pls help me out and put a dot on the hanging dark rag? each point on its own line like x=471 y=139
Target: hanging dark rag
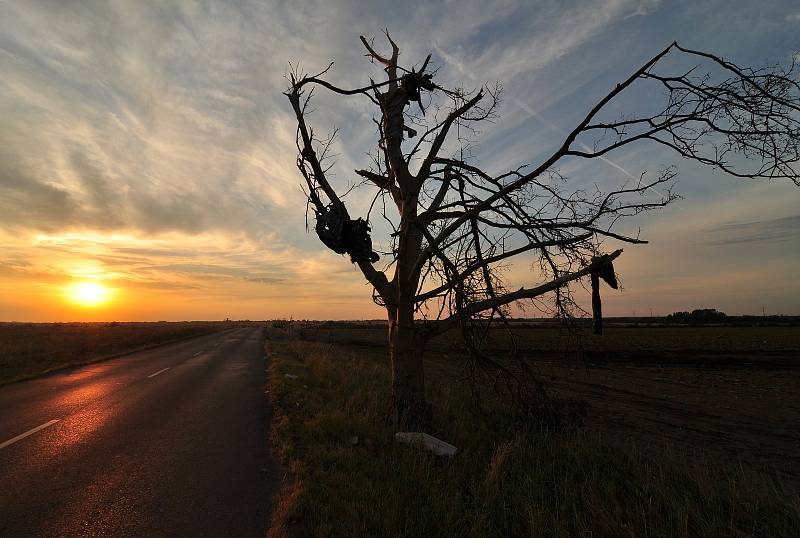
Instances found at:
x=606 y=272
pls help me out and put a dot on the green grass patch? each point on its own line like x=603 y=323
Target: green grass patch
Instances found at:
x=352 y=479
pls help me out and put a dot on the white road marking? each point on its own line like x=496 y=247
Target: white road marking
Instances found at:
x=196 y=354
x=27 y=433
x=159 y=372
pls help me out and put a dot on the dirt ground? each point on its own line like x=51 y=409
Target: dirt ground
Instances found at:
x=748 y=414
x=740 y=407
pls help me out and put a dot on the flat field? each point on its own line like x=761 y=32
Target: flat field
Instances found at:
x=689 y=431
x=29 y=349
x=730 y=391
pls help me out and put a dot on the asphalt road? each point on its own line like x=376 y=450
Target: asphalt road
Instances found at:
x=166 y=442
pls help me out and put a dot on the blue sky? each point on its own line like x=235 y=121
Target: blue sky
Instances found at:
x=148 y=145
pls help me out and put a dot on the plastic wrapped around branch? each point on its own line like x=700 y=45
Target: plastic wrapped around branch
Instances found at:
x=427 y=441
x=412 y=82
x=342 y=235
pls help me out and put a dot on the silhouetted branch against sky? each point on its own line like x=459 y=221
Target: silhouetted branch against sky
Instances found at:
x=467 y=223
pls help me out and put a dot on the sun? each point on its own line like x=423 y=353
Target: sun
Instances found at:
x=89 y=294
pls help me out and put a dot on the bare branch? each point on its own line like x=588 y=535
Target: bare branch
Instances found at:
x=523 y=293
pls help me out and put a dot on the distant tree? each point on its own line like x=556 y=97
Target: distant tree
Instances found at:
x=702 y=315
x=455 y=225
x=679 y=317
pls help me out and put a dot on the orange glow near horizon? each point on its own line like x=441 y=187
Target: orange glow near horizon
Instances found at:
x=92 y=276
x=89 y=294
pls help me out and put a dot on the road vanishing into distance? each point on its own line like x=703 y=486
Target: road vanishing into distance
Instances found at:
x=172 y=441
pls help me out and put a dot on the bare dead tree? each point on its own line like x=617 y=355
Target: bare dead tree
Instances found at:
x=456 y=226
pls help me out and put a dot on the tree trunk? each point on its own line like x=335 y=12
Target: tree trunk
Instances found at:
x=409 y=406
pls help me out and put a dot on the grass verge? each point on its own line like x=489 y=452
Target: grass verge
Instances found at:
x=349 y=478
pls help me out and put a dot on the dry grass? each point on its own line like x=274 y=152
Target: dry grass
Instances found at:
x=30 y=349
x=352 y=479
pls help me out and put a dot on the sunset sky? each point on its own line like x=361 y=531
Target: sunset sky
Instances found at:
x=146 y=146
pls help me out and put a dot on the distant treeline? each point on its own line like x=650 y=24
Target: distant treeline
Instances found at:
x=712 y=316
x=698 y=317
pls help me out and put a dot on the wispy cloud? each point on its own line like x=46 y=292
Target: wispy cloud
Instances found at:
x=149 y=143
x=551 y=30
x=733 y=233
